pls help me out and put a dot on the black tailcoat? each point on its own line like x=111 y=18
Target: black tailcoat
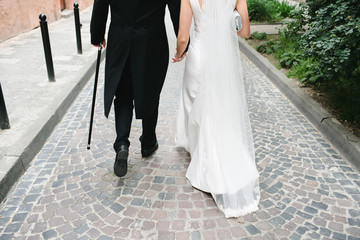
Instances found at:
x=137 y=33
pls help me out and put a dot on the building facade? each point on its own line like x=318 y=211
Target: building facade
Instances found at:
x=23 y=15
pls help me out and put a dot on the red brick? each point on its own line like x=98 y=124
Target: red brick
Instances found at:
x=238 y=232
x=147 y=214
x=163 y=225
x=223 y=234
x=178 y=225
x=195 y=213
x=185 y=204
x=182 y=236
x=130 y=211
x=209 y=235
x=159 y=214
x=126 y=222
x=209 y=224
x=148 y=225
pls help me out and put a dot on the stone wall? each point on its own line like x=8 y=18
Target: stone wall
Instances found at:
x=22 y=15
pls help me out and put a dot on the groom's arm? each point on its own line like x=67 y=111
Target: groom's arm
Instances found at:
x=174 y=9
x=98 y=21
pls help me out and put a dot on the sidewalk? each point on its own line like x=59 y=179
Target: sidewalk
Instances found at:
x=35 y=105
x=308 y=190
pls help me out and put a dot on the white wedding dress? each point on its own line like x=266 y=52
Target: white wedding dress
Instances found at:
x=213 y=122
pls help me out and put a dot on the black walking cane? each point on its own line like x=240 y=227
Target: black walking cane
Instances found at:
x=94 y=94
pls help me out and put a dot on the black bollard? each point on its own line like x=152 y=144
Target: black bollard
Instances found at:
x=47 y=48
x=77 y=28
x=4 y=119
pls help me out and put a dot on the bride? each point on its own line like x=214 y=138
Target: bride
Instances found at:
x=213 y=122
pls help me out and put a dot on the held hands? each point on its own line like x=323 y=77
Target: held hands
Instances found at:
x=176 y=58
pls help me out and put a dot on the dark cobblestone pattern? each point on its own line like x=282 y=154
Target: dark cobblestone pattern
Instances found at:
x=308 y=191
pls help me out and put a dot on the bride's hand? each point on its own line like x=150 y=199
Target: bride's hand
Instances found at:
x=178 y=59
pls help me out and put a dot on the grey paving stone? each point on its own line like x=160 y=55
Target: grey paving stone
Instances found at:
x=103 y=237
x=39 y=227
x=13 y=227
x=252 y=229
x=7 y=236
x=19 y=217
x=354 y=213
x=31 y=198
x=116 y=207
x=353 y=238
x=25 y=207
x=49 y=234
x=295 y=236
x=326 y=232
x=338 y=236
x=39 y=180
x=311 y=210
x=13 y=201
x=4 y=220
x=304 y=215
x=196 y=235
x=314 y=235
x=82 y=229
x=131 y=183
x=319 y=205
x=138 y=176
x=137 y=202
x=340 y=196
x=58 y=183
x=277 y=221
x=7 y=211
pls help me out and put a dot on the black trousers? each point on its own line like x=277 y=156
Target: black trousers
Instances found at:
x=124 y=105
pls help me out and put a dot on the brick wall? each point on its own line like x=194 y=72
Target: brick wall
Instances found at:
x=22 y=15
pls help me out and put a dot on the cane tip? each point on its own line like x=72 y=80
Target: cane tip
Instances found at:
x=88 y=147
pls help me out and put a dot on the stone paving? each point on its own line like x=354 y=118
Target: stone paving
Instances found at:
x=308 y=191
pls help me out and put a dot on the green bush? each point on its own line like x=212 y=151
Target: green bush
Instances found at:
x=284 y=9
x=289 y=59
x=306 y=71
x=258 y=36
x=331 y=41
x=259 y=11
x=333 y=38
x=268 y=10
x=268 y=47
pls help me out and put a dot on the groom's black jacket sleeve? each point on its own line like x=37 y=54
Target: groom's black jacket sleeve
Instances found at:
x=174 y=9
x=98 y=21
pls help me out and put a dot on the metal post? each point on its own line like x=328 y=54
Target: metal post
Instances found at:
x=77 y=27
x=4 y=119
x=47 y=48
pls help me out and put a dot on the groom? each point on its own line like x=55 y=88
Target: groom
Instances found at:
x=136 y=64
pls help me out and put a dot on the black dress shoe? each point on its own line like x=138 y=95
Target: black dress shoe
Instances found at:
x=147 y=152
x=120 y=165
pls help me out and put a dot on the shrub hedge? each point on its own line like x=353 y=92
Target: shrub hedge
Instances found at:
x=327 y=34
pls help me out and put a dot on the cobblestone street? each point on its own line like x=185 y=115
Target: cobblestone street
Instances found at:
x=308 y=191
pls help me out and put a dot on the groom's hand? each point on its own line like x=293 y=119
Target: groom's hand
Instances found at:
x=103 y=44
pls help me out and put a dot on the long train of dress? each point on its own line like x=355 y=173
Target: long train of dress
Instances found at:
x=213 y=122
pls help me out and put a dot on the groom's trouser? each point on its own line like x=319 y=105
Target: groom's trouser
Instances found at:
x=124 y=104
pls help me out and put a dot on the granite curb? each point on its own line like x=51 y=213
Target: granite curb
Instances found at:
x=346 y=142
x=38 y=135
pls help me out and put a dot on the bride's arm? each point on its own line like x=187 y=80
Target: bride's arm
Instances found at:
x=241 y=7
x=184 y=28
